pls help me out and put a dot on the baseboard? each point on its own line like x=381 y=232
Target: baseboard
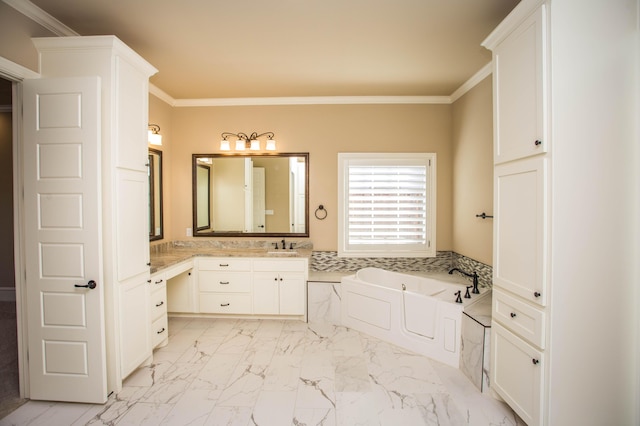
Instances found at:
x=7 y=294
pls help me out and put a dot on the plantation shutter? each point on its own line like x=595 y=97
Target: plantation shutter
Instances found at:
x=387 y=204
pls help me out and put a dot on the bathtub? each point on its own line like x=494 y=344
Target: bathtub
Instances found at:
x=418 y=313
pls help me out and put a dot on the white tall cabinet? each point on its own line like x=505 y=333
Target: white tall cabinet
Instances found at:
x=521 y=177
x=565 y=103
x=124 y=79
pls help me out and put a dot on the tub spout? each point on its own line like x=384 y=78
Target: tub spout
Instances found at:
x=474 y=276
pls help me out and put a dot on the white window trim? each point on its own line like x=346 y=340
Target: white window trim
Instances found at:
x=425 y=250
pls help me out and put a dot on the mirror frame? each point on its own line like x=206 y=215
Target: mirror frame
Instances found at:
x=195 y=158
x=152 y=201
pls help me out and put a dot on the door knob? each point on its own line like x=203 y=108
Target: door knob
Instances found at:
x=90 y=285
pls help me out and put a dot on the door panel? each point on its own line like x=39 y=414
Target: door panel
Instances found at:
x=62 y=198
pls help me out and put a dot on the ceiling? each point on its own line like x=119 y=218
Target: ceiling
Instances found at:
x=296 y=48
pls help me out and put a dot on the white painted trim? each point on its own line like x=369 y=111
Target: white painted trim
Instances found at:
x=472 y=82
x=313 y=100
x=511 y=22
x=38 y=15
x=161 y=94
x=14 y=71
x=7 y=294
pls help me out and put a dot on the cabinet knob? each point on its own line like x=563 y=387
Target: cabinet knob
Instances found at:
x=513 y=314
x=538 y=142
x=536 y=294
x=535 y=361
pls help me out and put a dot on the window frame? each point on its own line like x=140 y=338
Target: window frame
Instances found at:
x=428 y=249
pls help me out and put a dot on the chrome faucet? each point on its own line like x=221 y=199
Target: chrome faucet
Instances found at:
x=474 y=276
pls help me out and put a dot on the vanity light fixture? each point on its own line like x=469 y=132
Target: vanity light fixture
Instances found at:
x=245 y=141
x=154 y=138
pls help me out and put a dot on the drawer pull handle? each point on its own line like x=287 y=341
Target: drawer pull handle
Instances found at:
x=223 y=265
x=159 y=304
x=513 y=314
x=535 y=361
x=159 y=281
x=224 y=282
x=536 y=294
x=538 y=142
x=161 y=331
x=224 y=304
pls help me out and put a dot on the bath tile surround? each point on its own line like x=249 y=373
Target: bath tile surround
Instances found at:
x=328 y=261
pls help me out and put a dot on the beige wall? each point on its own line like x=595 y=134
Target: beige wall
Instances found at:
x=6 y=201
x=19 y=29
x=472 y=143
x=321 y=130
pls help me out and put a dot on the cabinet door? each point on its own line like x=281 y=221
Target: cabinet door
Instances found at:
x=519 y=79
x=265 y=293
x=132 y=90
x=135 y=324
x=520 y=228
x=132 y=227
x=292 y=294
x=517 y=373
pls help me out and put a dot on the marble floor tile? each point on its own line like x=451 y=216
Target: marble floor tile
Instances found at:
x=271 y=373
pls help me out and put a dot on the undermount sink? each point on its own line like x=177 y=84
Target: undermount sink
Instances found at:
x=282 y=253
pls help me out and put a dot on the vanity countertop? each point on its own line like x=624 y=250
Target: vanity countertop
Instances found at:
x=162 y=259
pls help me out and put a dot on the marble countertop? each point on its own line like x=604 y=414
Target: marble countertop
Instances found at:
x=163 y=259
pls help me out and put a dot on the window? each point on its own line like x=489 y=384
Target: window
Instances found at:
x=386 y=204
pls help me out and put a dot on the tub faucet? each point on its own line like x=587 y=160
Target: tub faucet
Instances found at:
x=474 y=276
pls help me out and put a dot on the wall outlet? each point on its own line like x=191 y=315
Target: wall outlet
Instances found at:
x=189 y=232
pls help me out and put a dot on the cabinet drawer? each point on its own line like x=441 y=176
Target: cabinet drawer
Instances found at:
x=280 y=265
x=158 y=304
x=224 y=264
x=229 y=303
x=225 y=282
x=159 y=330
x=517 y=372
x=525 y=320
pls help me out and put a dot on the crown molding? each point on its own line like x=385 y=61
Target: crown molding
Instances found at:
x=161 y=94
x=38 y=15
x=13 y=71
x=472 y=82
x=313 y=100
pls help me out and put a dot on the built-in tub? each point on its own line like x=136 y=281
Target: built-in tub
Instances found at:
x=415 y=312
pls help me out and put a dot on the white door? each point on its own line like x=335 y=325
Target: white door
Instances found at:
x=259 y=218
x=63 y=240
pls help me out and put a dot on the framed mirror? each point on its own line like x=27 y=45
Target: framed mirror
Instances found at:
x=251 y=195
x=155 y=195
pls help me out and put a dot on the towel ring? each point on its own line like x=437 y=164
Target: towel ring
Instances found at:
x=320 y=215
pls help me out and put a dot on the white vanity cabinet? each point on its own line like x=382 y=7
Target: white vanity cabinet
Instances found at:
x=123 y=208
x=279 y=286
x=224 y=285
x=135 y=336
x=158 y=308
x=521 y=209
